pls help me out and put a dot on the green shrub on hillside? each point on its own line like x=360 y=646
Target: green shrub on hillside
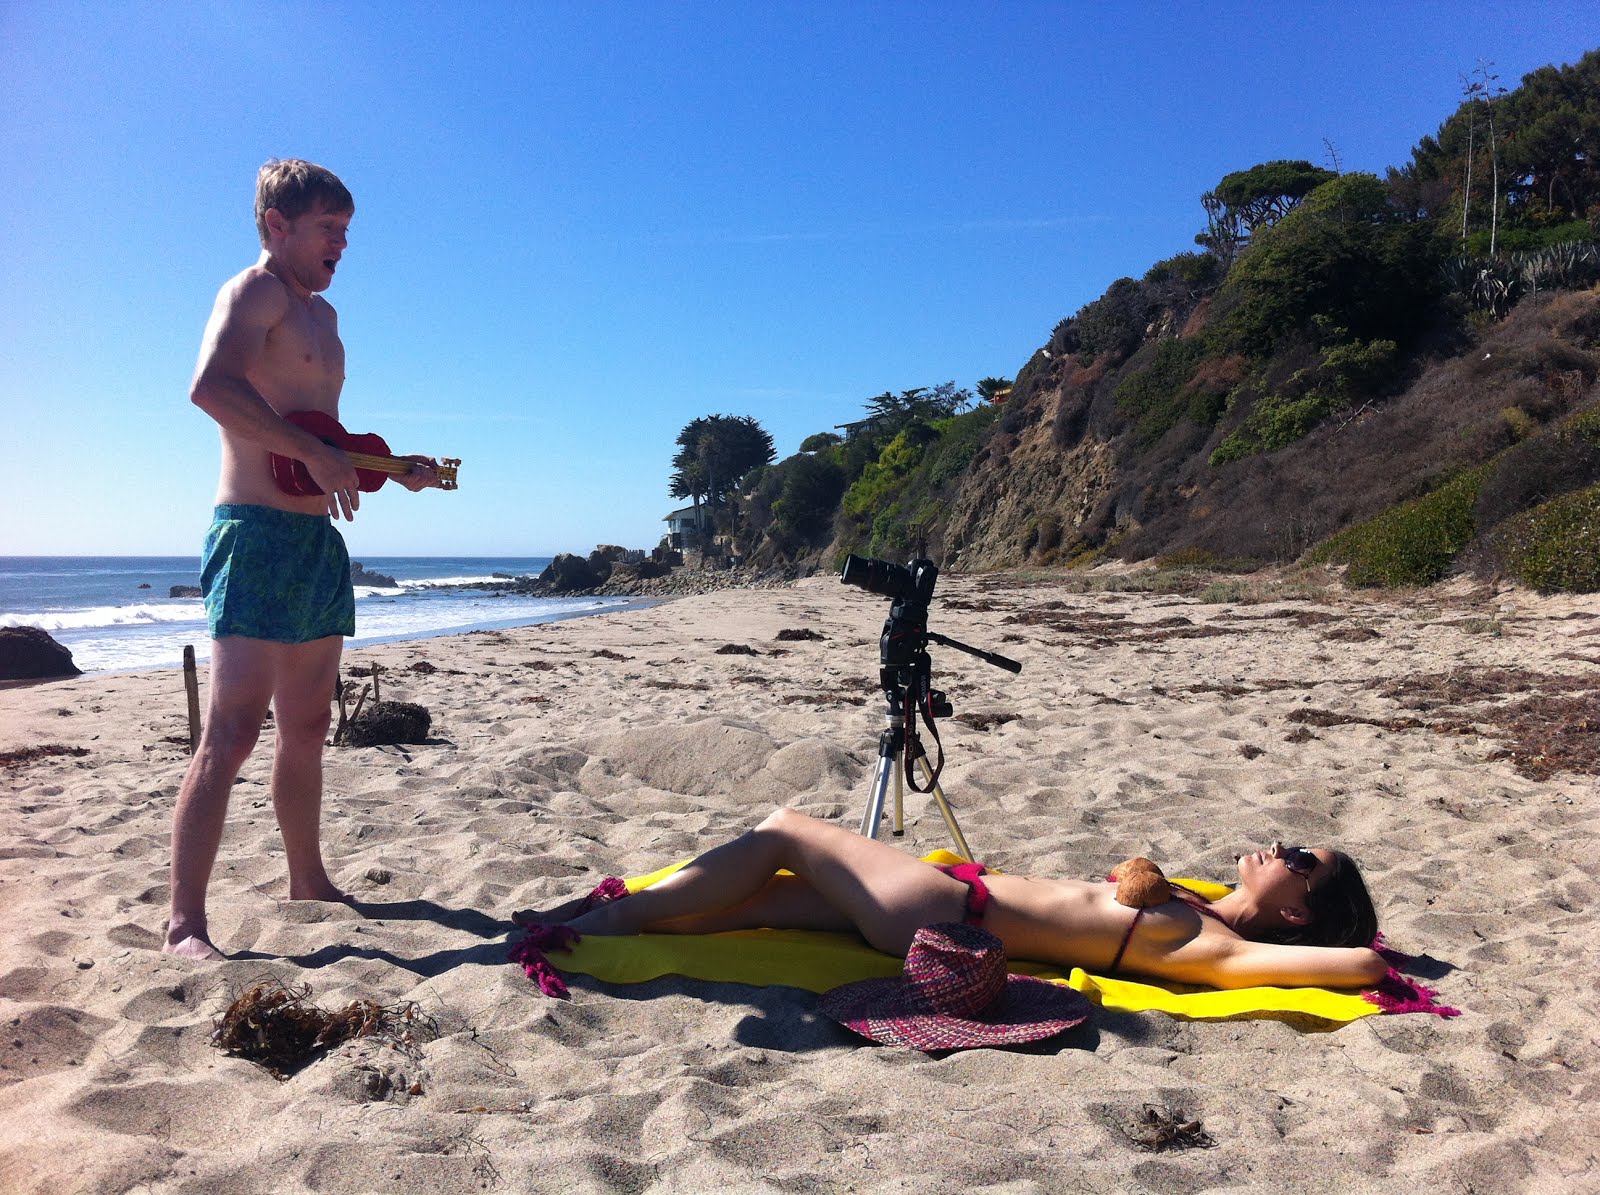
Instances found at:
x=1585 y=425
x=1115 y=322
x=1155 y=396
x=903 y=488
x=1348 y=372
x=959 y=439
x=1414 y=543
x=810 y=493
x=1517 y=240
x=891 y=534
x=1200 y=270
x=1276 y=421
x=1538 y=468
x=869 y=491
x=1555 y=547
x=1341 y=255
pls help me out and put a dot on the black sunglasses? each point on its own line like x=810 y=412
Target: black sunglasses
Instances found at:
x=1299 y=860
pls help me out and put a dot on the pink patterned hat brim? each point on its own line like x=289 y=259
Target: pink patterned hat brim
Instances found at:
x=885 y=1010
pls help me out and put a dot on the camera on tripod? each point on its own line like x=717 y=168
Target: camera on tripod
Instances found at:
x=907 y=678
x=909 y=582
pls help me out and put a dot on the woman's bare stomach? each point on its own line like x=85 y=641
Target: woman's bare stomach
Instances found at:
x=1065 y=922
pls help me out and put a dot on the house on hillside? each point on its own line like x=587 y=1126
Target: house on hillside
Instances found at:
x=683 y=529
x=860 y=426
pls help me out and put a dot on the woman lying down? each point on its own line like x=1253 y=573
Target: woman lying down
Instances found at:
x=1299 y=917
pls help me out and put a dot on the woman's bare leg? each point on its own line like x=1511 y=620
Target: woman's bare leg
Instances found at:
x=885 y=893
x=784 y=902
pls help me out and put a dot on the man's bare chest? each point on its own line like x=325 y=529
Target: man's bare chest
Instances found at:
x=304 y=353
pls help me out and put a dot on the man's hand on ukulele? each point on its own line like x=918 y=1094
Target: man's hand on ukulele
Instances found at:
x=422 y=475
x=336 y=478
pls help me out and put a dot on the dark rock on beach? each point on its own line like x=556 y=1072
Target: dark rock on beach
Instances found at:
x=610 y=571
x=643 y=570
x=360 y=576
x=28 y=653
x=569 y=574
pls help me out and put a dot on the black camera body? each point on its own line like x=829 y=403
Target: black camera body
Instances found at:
x=903 y=646
x=912 y=583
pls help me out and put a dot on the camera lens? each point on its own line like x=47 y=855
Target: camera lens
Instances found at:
x=878 y=576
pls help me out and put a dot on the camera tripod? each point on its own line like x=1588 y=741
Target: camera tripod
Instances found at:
x=892 y=748
x=906 y=675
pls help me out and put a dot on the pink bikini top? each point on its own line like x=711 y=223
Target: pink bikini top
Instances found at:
x=1193 y=899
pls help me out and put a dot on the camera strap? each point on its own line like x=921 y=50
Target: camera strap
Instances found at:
x=922 y=702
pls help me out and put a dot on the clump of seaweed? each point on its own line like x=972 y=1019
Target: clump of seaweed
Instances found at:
x=1551 y=727
x=986 y=721
x=280 y=1030
x=386 y=722
x=791 y=634
x=1552 y=734
x=27 y=755
x=1158 y=1129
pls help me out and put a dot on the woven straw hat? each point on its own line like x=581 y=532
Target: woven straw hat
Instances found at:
x=955 y=994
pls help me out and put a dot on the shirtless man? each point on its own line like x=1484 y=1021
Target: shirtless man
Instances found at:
x=275 y=573
x=843 y=881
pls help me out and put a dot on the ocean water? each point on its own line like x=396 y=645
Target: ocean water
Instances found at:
x=114 y=612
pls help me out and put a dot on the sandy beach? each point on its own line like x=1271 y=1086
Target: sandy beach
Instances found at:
x=1449 y=740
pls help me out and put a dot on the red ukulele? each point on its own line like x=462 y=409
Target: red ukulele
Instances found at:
x=368 y=453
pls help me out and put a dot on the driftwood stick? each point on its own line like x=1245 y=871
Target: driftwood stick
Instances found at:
x=375 y=697
x=339 y=695
x=360 y=701
x=191 y=683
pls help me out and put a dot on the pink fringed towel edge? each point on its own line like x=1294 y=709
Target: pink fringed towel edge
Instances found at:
x=530 y=952
x=1396 y=993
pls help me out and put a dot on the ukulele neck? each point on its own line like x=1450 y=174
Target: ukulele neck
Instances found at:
x=391 y=465
x=394 y=466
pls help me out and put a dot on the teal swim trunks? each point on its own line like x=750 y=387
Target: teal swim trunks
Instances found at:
x=272 y=574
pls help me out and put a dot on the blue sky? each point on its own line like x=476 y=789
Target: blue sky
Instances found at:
x=580 y=226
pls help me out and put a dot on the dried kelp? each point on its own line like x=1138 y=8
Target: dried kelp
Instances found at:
x=279 y=1029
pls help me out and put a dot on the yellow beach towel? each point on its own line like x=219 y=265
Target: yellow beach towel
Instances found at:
x=819 y=961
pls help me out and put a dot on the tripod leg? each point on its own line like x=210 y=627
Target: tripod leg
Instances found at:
x=950 y=822
x=880 y=791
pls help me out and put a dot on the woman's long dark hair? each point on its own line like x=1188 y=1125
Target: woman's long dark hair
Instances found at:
x=1341 y=911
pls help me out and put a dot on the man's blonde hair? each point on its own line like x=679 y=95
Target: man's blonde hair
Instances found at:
x=294 y=187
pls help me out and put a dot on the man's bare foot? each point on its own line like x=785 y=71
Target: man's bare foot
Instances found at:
x=320 y=891
x=195 y=947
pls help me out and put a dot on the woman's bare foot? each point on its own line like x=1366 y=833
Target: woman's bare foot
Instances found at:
x=559 y=915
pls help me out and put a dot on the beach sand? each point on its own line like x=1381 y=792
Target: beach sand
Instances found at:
x=1418 y=733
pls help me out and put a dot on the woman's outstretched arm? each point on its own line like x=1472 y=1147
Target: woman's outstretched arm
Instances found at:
x=1238 y=963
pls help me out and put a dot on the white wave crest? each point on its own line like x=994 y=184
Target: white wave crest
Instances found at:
x=107 y=616
x=451 y=582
